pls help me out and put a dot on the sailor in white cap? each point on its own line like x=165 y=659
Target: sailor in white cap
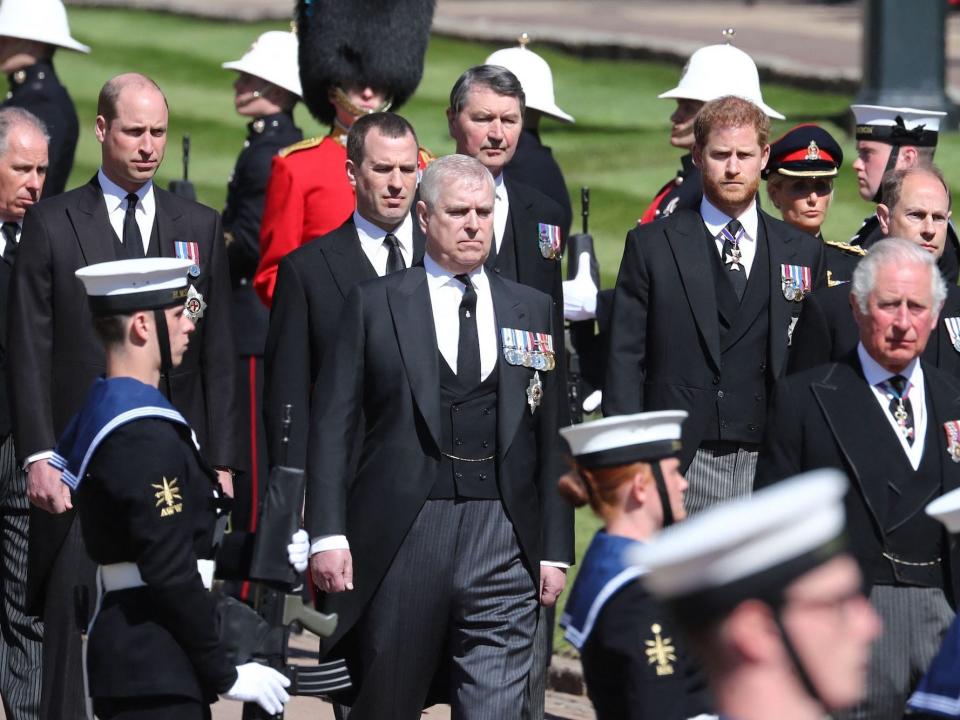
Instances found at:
x=30 y=33
x=891 y=138
x=533 y=162
x=769 y=599
x=634 y=660
x=150 y=510
x=710 y=73
x=267 y=88
x=938 y=693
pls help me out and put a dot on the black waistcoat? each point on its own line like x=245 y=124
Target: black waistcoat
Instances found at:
x=909 y=533
x=153 y=249
x=740 y=407
x=469 y=431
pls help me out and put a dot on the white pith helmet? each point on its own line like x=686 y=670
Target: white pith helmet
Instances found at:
x=39 y=20
x=718 y=70
x=272 y=57
x=534 y=75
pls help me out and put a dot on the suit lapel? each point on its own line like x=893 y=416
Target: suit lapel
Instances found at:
x=167 y=219
x=513 y=380
x=409 y=302
x=781 y=250
x=419 y=241
x=853 y=416
x=686 y=239
x=92 y=225
x=521 y=221
x=348 y=263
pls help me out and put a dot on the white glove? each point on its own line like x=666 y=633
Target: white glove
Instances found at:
x=593 y=401
x=580 y=294
x=298 y=551
x=260 y=684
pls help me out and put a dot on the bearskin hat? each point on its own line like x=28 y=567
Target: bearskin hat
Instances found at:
x=375 y=43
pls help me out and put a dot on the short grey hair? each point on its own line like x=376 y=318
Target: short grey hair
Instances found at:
x=448 y=169
x=495 y=77
x=894 y=251
x=11 y=117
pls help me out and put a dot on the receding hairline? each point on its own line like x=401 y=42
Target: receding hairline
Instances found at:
x=112 y=90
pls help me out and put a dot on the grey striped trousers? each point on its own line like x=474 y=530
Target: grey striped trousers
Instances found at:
x=915 y=621
x=21 y=636
x=719 y=472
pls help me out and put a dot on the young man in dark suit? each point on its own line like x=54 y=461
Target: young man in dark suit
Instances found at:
x=704 y=305
x=891 y=422
x=23 y=168
x=451 y=528
x=916 y=207
x=381 y=236
x=120 y=213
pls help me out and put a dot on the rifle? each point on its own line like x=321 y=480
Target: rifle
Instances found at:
x=277 y=598
x=576 y=246
x=184 y=188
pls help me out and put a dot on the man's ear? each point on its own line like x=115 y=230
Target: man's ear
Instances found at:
x=100 y=128
x=351 y=173
x=883 y=215
x=696 y=152
x=422 y=215
x=141 y=327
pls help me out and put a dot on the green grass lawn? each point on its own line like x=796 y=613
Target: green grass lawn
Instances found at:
x=618 y=146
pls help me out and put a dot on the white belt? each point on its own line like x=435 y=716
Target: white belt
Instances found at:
x=125 y=575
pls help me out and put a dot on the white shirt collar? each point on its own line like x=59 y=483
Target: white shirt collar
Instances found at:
x=371 y=235
x=875 y=373
x=438 y=276
x=116 y=196
x=716 y=220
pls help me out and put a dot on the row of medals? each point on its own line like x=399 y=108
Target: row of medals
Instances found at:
x=536 y=359
x=792 y=291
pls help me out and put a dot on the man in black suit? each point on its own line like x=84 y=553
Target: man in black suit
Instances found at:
x=890 y=421
x=380 y=237
x=118 y=214
x=916 y=207
x=451 y=528
x=23 y=167
x=704 y=305
x=485 y=118
x=30 y=34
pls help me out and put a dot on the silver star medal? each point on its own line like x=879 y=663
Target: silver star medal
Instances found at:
x=733 y=258
x=534 y=392
x=195 y=305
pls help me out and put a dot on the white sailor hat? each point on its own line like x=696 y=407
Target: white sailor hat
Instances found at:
x=272 y=57
x=946 y=509
x=534 y=75
x=748 y=548
x=718 y=70
x=625 y=439
x=126 y=286
x=898 y=126
x=40 y=20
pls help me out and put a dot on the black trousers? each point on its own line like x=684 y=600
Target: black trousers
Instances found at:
x=151 y=708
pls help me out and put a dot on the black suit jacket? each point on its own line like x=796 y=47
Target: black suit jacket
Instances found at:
x=829 y=417
x=6 y=423
x=312 y=283
x=533 y=165
x=827 y=332
x=664 y=350
x=385 y=364
x=38 y=90
x=59 y=355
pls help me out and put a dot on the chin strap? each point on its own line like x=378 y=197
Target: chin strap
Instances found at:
x=891 y=164
x=668 y=518
x=341 y=100
x=163 y=340
x=795 y=659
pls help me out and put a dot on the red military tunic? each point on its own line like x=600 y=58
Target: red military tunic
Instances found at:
x=308 y=196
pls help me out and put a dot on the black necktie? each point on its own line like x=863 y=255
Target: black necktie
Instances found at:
x=468 y=346
x=395 y=258
x=732 y=234
x=900 y=406
x=9 y=231
x=132 y=240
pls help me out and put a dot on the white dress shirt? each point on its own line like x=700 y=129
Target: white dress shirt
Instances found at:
x=3 y=239
x=501 y=209
x=875 y=375
x=372 y=237
x=115 y=198
x=715 y=220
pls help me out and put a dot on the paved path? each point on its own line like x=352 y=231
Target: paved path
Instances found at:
x=809 y=42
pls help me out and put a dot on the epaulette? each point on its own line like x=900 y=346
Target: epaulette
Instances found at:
x=302 y=145
x=425 y=157
x=852 y=249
